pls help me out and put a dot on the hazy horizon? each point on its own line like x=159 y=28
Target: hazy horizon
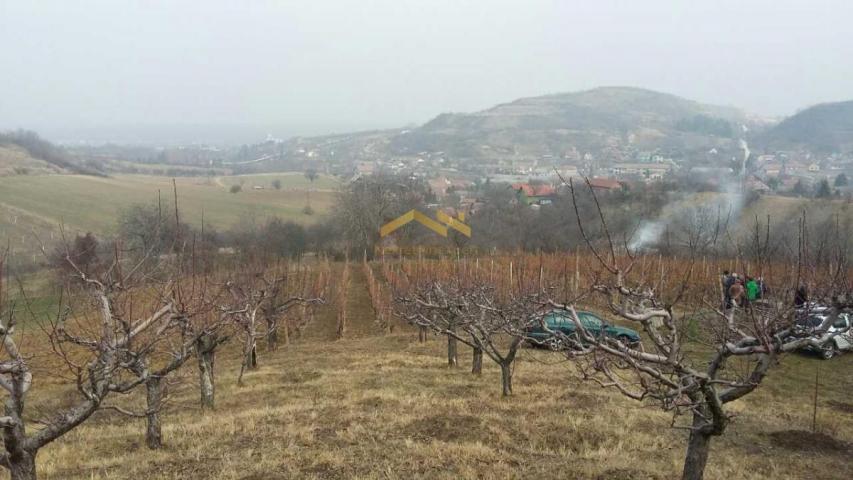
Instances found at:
x=163 y=72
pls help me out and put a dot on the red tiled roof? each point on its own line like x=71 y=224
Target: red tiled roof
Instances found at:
x=534 y=190
x=605 y=183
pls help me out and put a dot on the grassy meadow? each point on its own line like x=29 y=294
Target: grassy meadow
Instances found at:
x=39 y=204
x=374 y=406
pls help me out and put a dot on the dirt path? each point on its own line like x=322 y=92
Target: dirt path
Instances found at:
x=361 y=318
x=361 y=321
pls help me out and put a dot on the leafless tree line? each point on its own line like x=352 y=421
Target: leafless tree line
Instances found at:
x=696 y=356
x=129 y=325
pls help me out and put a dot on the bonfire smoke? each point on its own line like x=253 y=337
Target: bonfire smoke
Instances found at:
x=730 y=204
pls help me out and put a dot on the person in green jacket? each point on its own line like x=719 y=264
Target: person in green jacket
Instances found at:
x=752 y=289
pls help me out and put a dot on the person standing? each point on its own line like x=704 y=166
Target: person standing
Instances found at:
x=801 y=297
x=736 y=292
x=752 y=289
x=726 y=281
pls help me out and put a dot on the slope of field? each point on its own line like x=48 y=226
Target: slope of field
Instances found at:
x=92 y=203
x=32 y=207
x=786 y=211
x=15 y=160
x=387 y=407
x=739 y=219
x=289 y=181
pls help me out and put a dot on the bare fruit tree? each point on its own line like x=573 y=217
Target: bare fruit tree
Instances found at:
x=94 y=337
x=477 y=315
x=199 y=323
x=694 y=359
x=267 y=295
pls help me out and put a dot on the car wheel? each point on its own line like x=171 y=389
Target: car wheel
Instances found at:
x=554 y=344
x=829 y=351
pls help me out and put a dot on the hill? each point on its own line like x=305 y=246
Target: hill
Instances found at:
x=827 y=127
x=16 y=160
x=587 y=120
x=23 y=152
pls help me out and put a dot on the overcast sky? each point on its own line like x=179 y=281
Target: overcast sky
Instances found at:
x=117 y=69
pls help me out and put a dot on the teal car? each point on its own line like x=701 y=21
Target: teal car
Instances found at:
x=561 y=321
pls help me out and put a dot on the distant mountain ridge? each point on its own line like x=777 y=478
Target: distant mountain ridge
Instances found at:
x=587 y=120
x=826 y=127
x=628 y=106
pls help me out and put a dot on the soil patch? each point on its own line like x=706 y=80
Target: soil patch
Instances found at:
x=625 y=474
x=841 y=406
x=583 y=400
x=375 y=403
x=298 y=376
x=447 y=428
x=803 y=441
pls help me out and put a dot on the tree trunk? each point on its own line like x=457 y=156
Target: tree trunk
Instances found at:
x=21 y=462
x=153 y=432
x=452 y=352
x=342 y=324
x=22 y=466
x=206 y=359
x=477 y=362
x=285 y=333
x=250 y=361
x=506 y=378
x=698 y=448
x=422 y=334
x=272 y=336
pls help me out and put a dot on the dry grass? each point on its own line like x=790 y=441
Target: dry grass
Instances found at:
x=388 y=407
x=15 y=160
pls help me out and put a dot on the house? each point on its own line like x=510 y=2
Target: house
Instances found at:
x=772 y=169
x=441 y=186
x=793 y=167
x=567 y=171
x=365 y=168
x=647 y=171
x=644 y=157
x=470 y=205
x=814 y=167
x=534 y=194
x=608 y=184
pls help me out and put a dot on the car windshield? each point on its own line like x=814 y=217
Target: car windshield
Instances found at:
x=554 y=320
x=590 y=321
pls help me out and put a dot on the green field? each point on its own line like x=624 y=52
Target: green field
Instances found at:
x=41 y=203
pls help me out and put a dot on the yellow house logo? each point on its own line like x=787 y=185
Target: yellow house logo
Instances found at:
x=440 y=226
